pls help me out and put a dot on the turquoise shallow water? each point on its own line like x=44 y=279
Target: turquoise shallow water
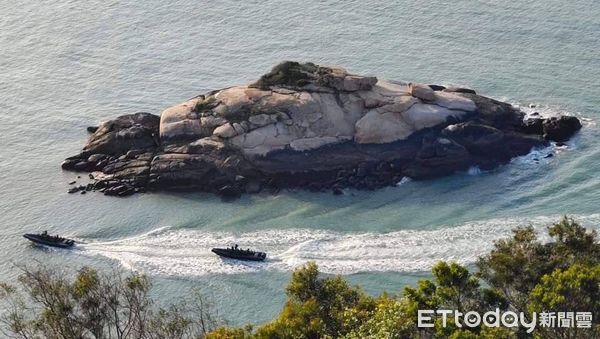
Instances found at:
x=66 y=66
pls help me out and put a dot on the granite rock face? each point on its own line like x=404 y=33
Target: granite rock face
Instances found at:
x=317 y=127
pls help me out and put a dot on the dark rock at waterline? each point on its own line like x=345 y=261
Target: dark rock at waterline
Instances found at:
x=230 y=192
x=314 y=127
x=477 y=138
x=120 y=190
x=438 y=157
x=83 y=166
x=521 y=144
x=69 y=164
x=99 y=185
x=126 y=192
x=252 y=186
x=560 y=128
x=92 y=129
x=337 y=190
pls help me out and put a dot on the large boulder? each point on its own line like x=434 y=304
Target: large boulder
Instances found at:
x=496 y=113
x=127 y=132
x=438 y=157
x=422 y=92
x=477 y=138
x=561 y=128
x=381 y=128
x=313 y=126
x=185 y=121
x=225 y=131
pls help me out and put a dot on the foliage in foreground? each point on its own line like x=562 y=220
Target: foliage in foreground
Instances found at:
x=520 y=274
x=92 y=305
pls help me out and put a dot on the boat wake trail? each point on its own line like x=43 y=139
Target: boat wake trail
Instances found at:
x=185 y=252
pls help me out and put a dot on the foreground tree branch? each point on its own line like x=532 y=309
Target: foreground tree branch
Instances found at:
x=94 y=305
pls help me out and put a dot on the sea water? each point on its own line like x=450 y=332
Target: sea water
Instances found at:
x=68 y=65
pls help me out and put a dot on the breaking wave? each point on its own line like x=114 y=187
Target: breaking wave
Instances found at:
x=186 y=252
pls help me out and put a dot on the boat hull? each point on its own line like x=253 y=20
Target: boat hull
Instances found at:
x=239 y=255
x=42 y=241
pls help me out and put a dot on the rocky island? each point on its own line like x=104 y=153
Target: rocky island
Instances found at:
x=310 y=126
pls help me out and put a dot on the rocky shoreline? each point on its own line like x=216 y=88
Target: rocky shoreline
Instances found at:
x=309 y=126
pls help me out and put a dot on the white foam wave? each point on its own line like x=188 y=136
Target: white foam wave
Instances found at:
x=186 y=252
x=528 y=162
x=403 y=181
x=474 y=170
x=546 y=111
x=537 y=156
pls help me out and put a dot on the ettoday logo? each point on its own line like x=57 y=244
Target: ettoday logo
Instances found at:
x=496 y=318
